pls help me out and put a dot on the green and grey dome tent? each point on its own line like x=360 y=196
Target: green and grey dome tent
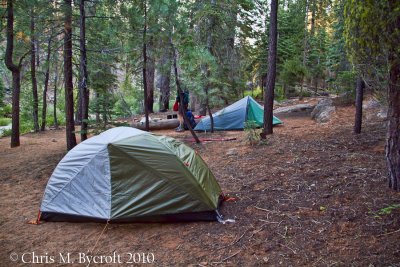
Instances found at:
x=124 y=175
x=234 y=116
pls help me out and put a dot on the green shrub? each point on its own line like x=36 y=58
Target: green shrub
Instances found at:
x=347 y=83
x=279 y=93
x=5 y=121
x=6 y=132
x=5 y=110
x=255 y=93
x=252 y=135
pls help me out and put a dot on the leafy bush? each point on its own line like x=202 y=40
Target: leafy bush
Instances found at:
x=347 y=83
x=5 y=110
x=5 y=121
x=279 y=94
x=6 y=132
x=252 y=135
x=388 y=210
x=255 y=94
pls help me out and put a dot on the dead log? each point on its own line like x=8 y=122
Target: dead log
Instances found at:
x=157 y=124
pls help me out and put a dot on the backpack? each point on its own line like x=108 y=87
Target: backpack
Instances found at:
x=190 y=117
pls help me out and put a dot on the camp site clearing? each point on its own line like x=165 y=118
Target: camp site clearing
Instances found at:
x=315 y=195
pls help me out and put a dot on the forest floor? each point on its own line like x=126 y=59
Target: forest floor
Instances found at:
x=315 y=195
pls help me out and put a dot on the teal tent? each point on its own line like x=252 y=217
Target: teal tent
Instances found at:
x=234 y=116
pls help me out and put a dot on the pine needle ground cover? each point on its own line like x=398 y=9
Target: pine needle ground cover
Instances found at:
x=315 y=195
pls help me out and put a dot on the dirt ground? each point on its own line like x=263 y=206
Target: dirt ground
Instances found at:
x=315 y=195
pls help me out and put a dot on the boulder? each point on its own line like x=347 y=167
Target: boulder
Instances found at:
x=372 y=103
x=323 y=111
x=295 y=108
x=382 y=114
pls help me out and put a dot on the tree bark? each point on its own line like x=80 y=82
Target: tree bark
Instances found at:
x=301 y=91
x=271 y=75
x=202 y=108
x=315 y=86
x=84 y=94
x=180 y=92
x=35 y=100
x=78 y=108
x=207 y=71
x=69 y=97
x=150 y=73
x=304 y=48
x=359 y=102
x=97 y=96
x=145 y=97
x=46 y=82
x=165 y=79
x=393 y=124
x=15 y=74
x=55 y=97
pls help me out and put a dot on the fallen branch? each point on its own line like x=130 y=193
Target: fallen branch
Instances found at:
x=227 y=258
x=265 y=209
x=212 y=139
x=398 y=230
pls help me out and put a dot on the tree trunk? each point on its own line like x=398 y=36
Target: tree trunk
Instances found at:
x=207 y=71
x=78 y=108
x=393 y=126
x=165 y=79
x=313 y=10
x=97 y=96
x=180 y=92
x=150 y=73
x=193 y=102
x=315 y=86
x=46 y=82
x=202 y=108
x=55 y=97
x=271 y=75
x=301 y=91
x=35 y=99
x=211 y=118
x=145 y=96
x=304 y=48
x=15 y=74
x=84 y=94
x=285 y=90
x=359 y=102
x=69 y=96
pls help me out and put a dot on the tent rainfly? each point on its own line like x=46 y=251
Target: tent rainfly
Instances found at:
x=234 y=116
x=126 y=175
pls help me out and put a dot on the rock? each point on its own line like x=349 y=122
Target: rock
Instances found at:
x=4 y=128
x=320 y=106
x=325 y=115
x=371 y=103
x=382 y=114
x=295 y=108
x=323 y=111
x=231 y=151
